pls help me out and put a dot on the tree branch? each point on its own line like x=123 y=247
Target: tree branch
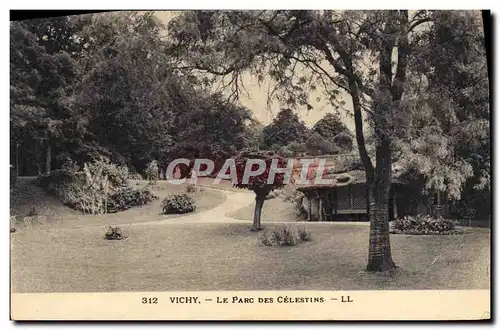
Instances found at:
x=419 y=22
x=403 y=50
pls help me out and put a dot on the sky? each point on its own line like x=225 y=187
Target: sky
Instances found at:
x=256 y=100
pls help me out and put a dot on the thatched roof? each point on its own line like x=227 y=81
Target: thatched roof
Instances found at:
x=344 y=170
x=339 y=180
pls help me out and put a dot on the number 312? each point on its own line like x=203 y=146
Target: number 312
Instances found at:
x=153 y=300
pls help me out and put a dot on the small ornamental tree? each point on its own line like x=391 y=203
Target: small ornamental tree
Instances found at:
x=260 y=178
x=152 y=171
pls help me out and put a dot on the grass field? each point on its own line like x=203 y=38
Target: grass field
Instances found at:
x=230 y=257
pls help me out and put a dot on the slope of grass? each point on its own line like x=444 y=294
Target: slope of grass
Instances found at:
x=26 y=196
x=230 y=257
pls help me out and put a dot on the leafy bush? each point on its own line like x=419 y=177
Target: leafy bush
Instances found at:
x=285 y=236
x=190 y=188
x=114 y=233
x=423 y=224
x=178 y=203
x=135 y=176
x=32 y=212
x=117 y=175
x=304 y=235
x=125 y=198
x=70 y=166
x=85 y=191
x=266 y=239
x=297 y=198
x=101 y=187
x=152 y=171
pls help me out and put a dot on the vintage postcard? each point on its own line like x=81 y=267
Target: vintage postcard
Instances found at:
x=250 y=165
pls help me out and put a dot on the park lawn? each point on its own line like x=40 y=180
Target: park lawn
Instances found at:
x=26 y=196
x=274 y=210
x=208 y=256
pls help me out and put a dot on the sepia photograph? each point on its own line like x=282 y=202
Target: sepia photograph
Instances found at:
x=250 y=165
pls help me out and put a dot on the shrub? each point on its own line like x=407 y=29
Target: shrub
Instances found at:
x=178 y=203
x=135 y=176
x=85 y=191
x=304 y=235
x=32 y=212
x=297 y=198
x=190 y=188
x=117 y=175
x=152 y=171
x=101 y=187
x=285 y=236
x=114 y=233
x=423 y=224
x=266 y=239
x=70 y=166
x=125 y=198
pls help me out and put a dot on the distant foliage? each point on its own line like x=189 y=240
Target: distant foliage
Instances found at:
x=114 y=233
x=423 y=224
x=318 y=145
x=332 y=129
x=152 y=171
x=135 y=176
x=285 y=236
x=178 y=204
x=125 y=198
x=285 y=128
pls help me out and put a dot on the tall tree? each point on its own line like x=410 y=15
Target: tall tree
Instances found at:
x=448 y=141
x=261 y=184
x=334 y=130
x=285 y=128
x=304 y=50
x=209 y=127
x=42 y=75
x=128 y=91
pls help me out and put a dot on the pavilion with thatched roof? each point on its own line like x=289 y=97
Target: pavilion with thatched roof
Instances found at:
x=346 y=198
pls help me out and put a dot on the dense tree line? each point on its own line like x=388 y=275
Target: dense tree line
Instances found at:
x=104 y=84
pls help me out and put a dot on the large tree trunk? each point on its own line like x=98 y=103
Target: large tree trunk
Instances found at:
x=17 y=159
x=48 y=159
x=379 y=252
x=259 y=202
x=388 y=96
x=39 y=165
